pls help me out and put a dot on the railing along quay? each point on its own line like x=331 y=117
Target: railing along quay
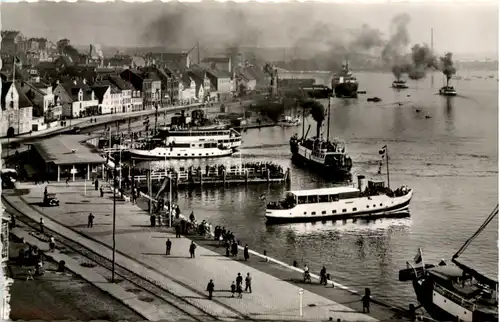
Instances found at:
x=214 y=177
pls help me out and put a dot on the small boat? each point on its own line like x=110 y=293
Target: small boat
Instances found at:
x=289 y=121
x=455 y=292
x=447 y=91
x=399 y=84
x=364 y=202
x=373 y=99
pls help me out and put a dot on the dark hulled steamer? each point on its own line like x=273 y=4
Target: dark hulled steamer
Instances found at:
x=454 y=292
x=328 y=157
x=344 y=84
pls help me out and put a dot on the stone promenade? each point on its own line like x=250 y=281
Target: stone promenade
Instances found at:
x=143 y=249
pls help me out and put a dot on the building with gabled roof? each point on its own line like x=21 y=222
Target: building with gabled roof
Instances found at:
x=16 y=110
x=77 y=99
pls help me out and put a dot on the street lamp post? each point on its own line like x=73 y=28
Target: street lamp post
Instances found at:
x=114 y=226
x=301 y=292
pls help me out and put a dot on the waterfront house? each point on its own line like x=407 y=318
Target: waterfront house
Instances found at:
x=221 y=80
x=148 y=85
x=16 y=110
x=187 y=89
x=77 y=99
x=46 y=109
x=126 y=90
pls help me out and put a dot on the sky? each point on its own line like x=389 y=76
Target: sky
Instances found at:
x=461 y=28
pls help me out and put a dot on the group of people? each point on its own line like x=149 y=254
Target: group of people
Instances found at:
x=236 y=286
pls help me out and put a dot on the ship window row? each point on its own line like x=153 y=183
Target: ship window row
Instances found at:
x=192 y=154
x=326 y=198
x=333 y=211
x=229 y=141
x=220 y=133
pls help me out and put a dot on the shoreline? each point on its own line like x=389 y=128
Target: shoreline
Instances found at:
x=266 y=263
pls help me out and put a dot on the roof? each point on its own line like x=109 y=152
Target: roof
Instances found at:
x=23 y=99
x=99 y=91
x=218 y=73
x=59 y=150
x=120 y=83
x=324 y=191
x=217 y=59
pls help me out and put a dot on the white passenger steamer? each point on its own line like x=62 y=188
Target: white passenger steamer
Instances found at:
x=367 y=201
x=188 y=144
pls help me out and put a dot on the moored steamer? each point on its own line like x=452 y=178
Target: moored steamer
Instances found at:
x=399 y=84
x=454 y=292
x=188 y=144
x=367 y=201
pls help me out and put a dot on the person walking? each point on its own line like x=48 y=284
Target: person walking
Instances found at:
x=248 y=283
x=41 y=225
x=169 y=246
x=366 y=301
x=52 y=244
x=210 y=289
x=233 y=289
x=192 y=249
x=246 y=254
x=90 y=221
x=239 y=280
x=239 y=289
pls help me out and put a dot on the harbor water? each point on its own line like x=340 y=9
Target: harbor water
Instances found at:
x=443 y=148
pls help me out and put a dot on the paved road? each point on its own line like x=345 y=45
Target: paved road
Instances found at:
x=273 y=298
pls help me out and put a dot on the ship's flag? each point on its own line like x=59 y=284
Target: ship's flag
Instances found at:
x=418 y=257
x=262 y=196
x=383 y=150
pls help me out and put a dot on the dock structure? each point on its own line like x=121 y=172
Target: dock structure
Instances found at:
x=226 y=176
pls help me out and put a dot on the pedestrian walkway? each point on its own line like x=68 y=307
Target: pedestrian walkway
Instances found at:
x=142 y=249
x=149 y=311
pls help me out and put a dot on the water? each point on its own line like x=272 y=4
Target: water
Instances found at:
x=449 y=159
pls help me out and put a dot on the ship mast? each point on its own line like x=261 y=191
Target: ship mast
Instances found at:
x=432 y=51
x=477 y=275
x=328 y=121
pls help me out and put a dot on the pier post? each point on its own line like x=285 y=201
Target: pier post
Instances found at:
x=201 y=176
x=288 y=176
x=148 y=181
x=268 y=173
x=246 y=176
x=176 y=179
x=224 y=176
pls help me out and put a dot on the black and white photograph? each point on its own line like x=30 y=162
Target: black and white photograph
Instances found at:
x=249 y=161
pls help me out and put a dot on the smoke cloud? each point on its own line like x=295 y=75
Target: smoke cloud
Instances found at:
x=417 y=62
x=447 y=66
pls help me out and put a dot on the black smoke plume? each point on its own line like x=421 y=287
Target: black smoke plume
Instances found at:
x=393 y=52
x=447 y=66
x=317 y=110
x=423 y=59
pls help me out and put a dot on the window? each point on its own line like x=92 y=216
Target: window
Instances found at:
x=323 y=212
x=344 y=210
x=367 y=206
x=305 y=212
x=380 y=205
x=354 y=209
x=313 y=213
x=334 y=211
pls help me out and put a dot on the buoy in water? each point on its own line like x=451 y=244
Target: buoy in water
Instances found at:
x=428 y=116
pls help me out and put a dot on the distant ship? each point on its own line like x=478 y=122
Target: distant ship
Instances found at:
x=399 y=84
x=328 y=157
x=344 y=84
x=447 y=91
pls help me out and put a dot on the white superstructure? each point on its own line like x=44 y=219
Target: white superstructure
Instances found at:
x=339 y=203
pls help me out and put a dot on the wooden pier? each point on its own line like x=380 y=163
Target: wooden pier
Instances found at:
x=200 y=177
